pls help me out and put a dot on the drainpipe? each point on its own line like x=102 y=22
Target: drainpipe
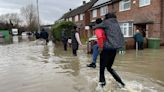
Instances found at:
x=112 y=6
x=162 y=20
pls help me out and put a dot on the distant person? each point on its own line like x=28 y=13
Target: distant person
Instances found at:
x=44 y=35
x=37 y=35
x=64 y=40
x=139 y=39
x=110 y=39
x=75 y=41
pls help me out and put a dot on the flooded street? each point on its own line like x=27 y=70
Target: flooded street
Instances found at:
x=29 y=66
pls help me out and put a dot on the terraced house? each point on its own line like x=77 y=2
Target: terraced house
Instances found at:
x=147 y=15
x=81 y=16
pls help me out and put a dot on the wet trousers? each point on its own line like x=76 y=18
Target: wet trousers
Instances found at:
x=106 y=61
x=95 y=53
x=65 y=46
x=74 y=51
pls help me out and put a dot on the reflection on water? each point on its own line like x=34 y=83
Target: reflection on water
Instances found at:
x=26 y=66
x=16 y=39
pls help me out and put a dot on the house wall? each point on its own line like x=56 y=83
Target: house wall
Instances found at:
x=138 y=14
x=143 y=14
x=151 y=15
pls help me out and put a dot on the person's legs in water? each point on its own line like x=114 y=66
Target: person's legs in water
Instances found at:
x=102 y=69
x=74 y=52
x=65 y=46
x=139 y=45
x=142 y=45
x=94 y=56
x=111 y=57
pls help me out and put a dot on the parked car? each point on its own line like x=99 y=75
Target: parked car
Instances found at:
x=24 y=33
x=1 y=35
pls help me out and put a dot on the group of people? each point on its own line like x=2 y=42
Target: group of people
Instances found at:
x=109 y=40
x=74 y=40
x=42 y=35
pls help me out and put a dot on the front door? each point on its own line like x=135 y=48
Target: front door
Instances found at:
x=142 y=28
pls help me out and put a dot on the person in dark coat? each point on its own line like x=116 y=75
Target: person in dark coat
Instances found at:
x=37 y=35
x=75 y=41
x=44 y=35
x=64 y=40
x=139 y=39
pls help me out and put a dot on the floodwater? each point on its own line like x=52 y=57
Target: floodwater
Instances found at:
x=30 y=66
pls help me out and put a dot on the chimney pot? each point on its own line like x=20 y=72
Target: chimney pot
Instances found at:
x=84 y=2
x=70 y=9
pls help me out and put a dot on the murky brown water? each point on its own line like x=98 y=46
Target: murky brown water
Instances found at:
x=30 y=66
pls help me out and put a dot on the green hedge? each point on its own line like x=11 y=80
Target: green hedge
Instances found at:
x=59 y=26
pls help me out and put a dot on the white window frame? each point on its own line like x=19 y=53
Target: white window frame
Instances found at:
x=81 y=16
x=144 y=3
x=94 y=13
x=122 y=5
x=127 y=28
x=76 y=18
x=70 y=19
x=103 y=10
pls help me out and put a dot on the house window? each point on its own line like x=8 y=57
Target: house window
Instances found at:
x=125 y=5
x=103 y=10
x=81 y=16
x=127 y=29
x=70 y=19
x=76 y=18
x=94 y=13
x=144 y=2
x=67 y=19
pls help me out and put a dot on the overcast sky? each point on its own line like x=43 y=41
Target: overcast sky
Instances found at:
x=50 y=10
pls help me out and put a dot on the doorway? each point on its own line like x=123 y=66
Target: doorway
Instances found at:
x=142 y=28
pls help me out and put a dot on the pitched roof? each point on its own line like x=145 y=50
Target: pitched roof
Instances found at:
x=79 y=10
x=101 y=3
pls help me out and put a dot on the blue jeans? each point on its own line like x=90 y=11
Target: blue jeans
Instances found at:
x=95 y=53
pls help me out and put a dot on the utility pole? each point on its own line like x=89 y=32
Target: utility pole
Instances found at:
x=37 y=2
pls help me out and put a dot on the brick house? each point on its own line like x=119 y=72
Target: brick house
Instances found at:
x=81 y=16
x=147 y=15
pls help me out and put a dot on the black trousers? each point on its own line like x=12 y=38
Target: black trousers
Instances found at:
x=140 y=45
x=65 y=46
x=74 y=51
x=106 y=61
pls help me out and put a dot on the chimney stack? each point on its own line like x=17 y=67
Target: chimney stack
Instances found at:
x=70 y=9
x=84 y=2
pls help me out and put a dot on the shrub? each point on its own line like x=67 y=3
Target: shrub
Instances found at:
x=59 y=26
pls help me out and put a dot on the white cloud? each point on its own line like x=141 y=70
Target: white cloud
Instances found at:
x=50 y=10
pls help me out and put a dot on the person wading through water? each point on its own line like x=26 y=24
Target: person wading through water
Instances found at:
x=110 y=38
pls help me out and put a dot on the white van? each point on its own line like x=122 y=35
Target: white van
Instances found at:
x=15 y=31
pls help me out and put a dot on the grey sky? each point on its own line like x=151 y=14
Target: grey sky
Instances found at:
x=50 y=10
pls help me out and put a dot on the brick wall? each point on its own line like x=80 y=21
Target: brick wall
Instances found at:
x=142 y=14
x=146 y=14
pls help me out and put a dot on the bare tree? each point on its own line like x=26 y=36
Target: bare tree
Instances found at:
x=11 y=18
x=30 y=16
